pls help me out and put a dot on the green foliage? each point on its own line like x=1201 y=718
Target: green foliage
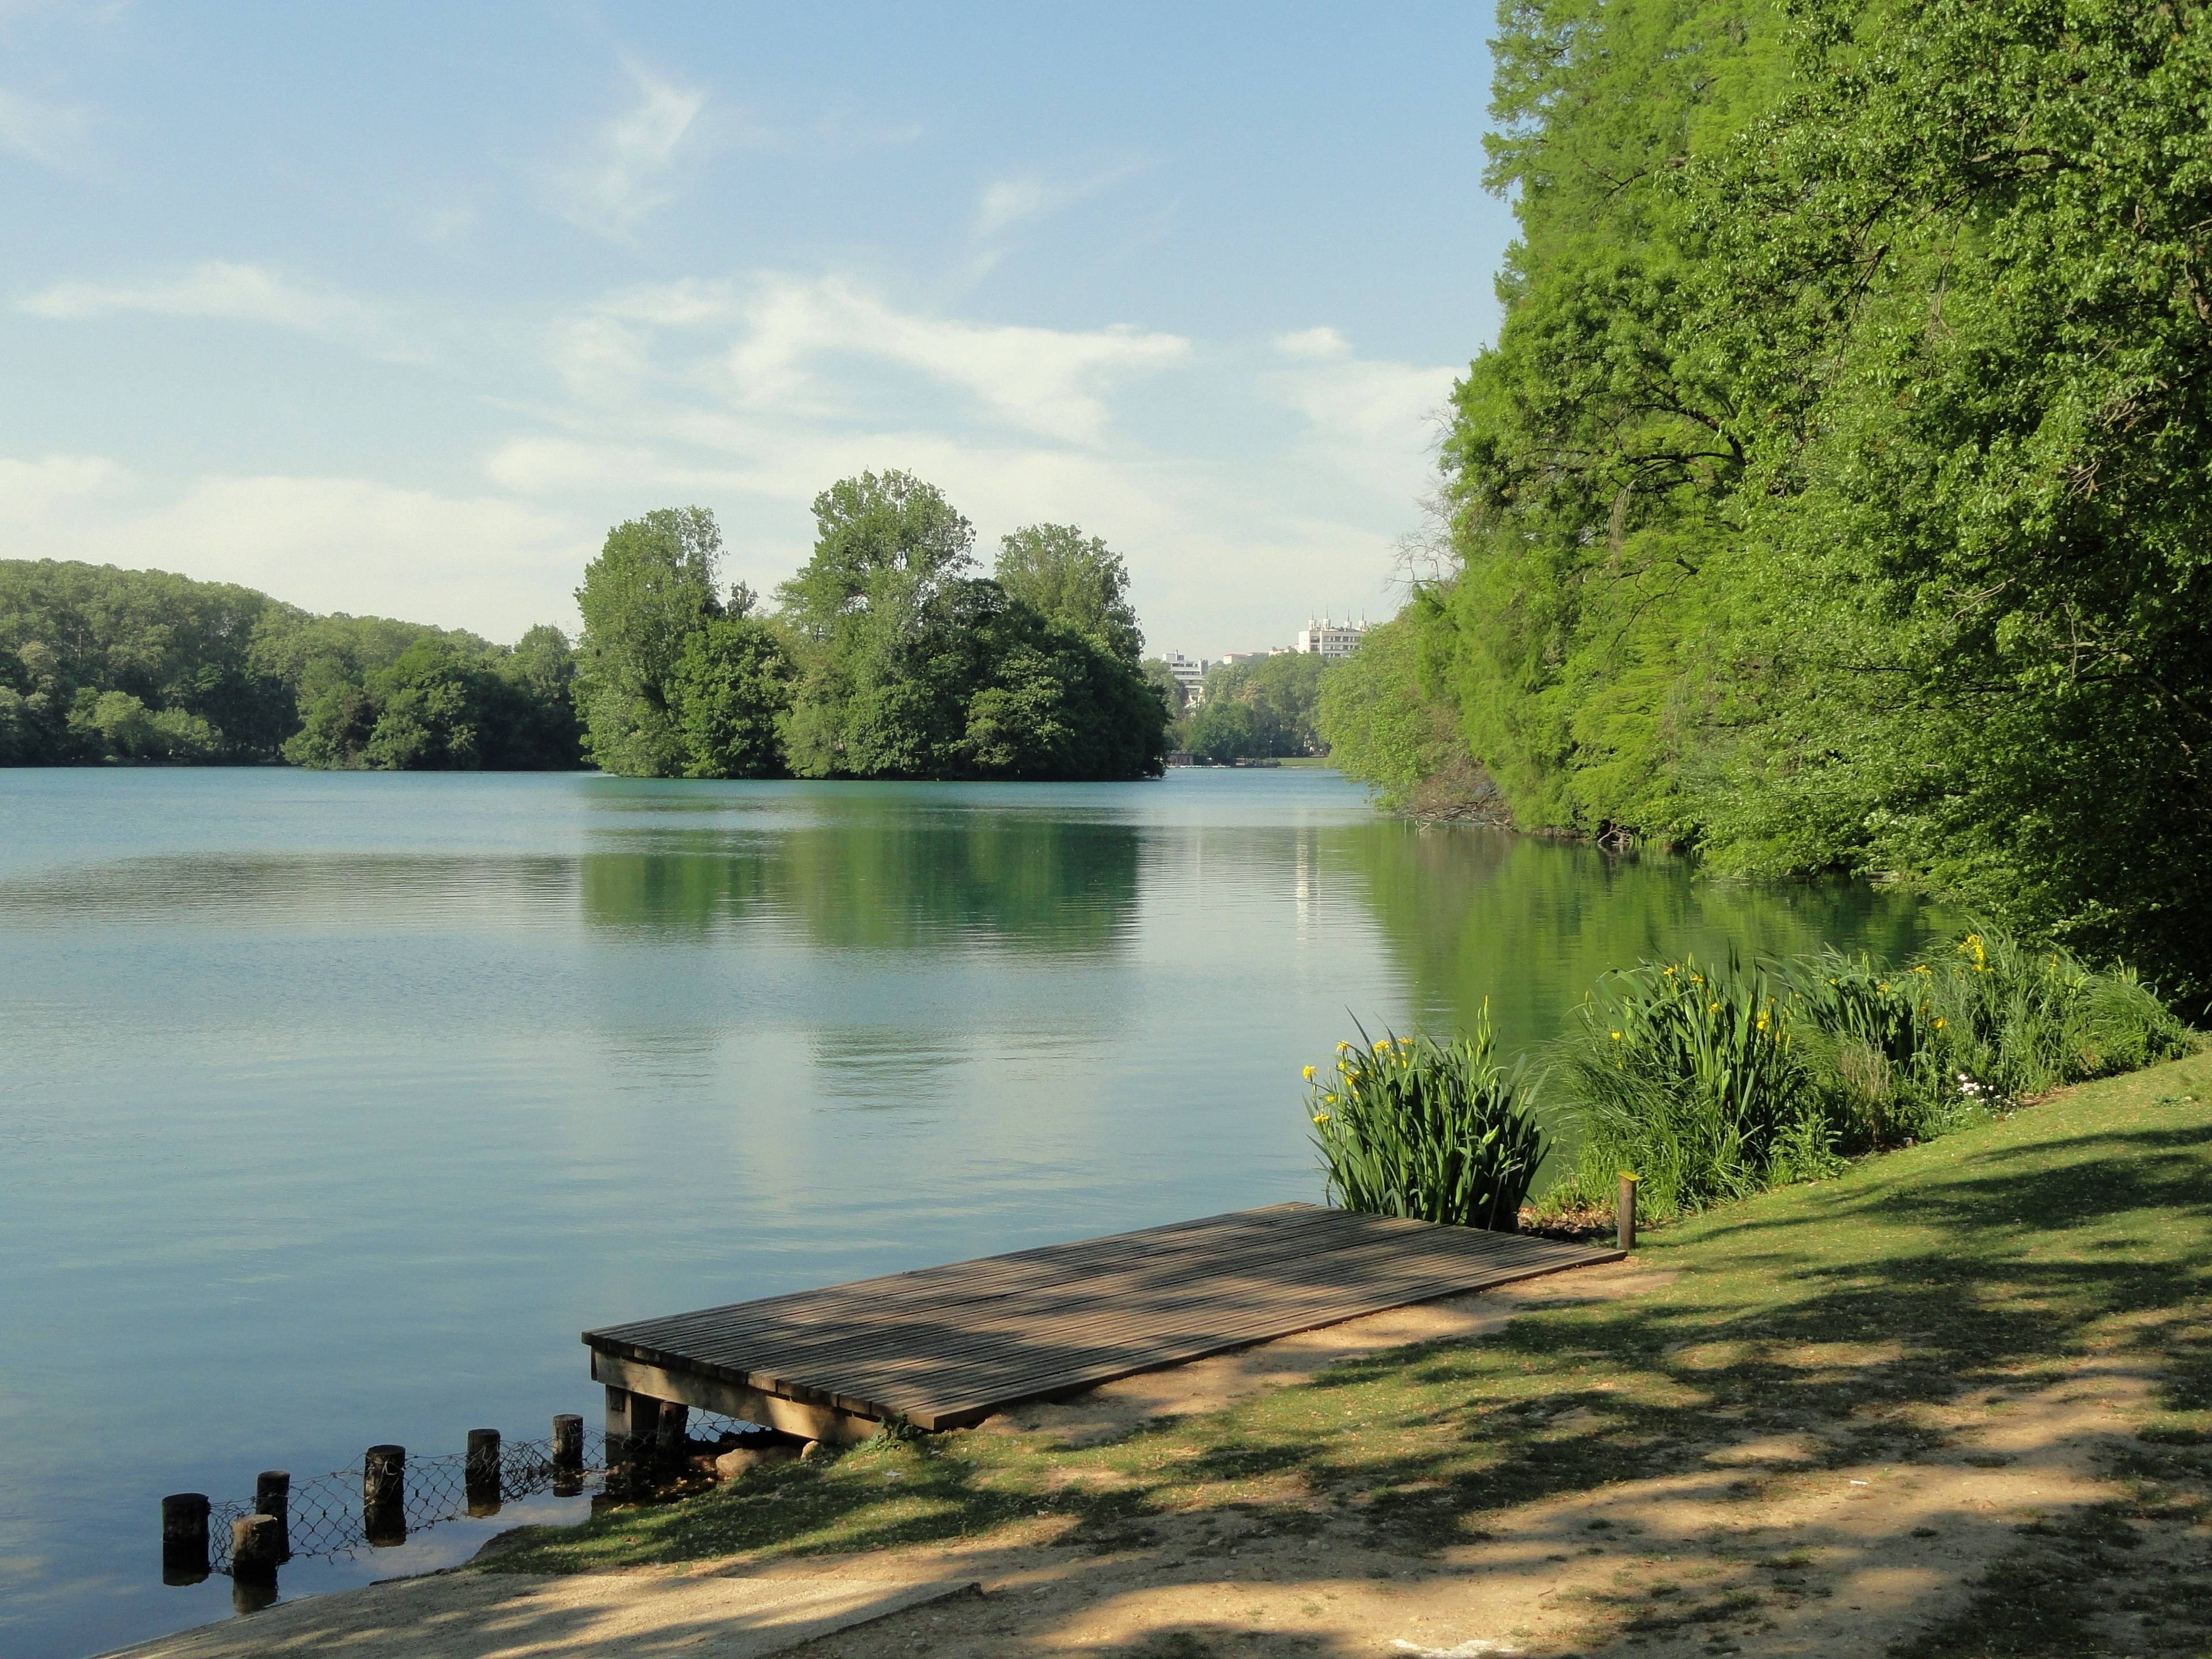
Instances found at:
x=884 y=544
x=101 y=663
x=909 y=668
x=1056 y=569
x=1227 y=731
x=1283 y=693
x=1162 y=679
x=1834 y=496
x=1683 y=1075
x=730 y=687
x=653 y=585
x=181 y=650
x=1711 y=1083
x=1432 y=1131
x=444 y=702
x=1382 y=724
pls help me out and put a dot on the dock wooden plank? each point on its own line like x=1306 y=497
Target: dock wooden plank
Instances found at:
x=947 y=1345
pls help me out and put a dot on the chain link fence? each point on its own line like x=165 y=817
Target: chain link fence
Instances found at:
x=328 y=1518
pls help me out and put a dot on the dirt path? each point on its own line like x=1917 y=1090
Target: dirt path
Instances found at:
x=1766 y=1550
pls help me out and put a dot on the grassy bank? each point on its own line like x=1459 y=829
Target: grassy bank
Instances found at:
x=1849 y=1313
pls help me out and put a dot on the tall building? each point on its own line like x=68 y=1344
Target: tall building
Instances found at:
x=1190 y=674
x=1330 y=639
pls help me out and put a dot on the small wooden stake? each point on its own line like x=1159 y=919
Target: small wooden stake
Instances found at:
x=253 y=1549
x=482 y=1472
x=184 y=1537
x=568 y=1455
x=1624 y=1213
x=272 y=1497
x=384 y=1495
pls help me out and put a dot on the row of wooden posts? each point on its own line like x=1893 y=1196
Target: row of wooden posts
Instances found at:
x=262 y=1541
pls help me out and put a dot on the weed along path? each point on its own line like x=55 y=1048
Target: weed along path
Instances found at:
x=1957 y=1401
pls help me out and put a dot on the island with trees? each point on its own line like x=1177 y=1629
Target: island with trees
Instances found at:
x=888 y=655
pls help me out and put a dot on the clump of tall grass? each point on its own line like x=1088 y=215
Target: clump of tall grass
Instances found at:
x=1433 y=1130
x=1714 y=1083
x=1686 y=1074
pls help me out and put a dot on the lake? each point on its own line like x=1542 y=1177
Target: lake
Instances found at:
x=332 y=1107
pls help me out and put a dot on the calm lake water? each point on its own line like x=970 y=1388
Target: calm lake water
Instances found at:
x=332 y=1107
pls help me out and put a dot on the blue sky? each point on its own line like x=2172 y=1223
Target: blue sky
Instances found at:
x=395 y=308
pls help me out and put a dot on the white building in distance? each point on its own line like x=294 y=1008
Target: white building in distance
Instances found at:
x=1330 y=641
x=1190 y=674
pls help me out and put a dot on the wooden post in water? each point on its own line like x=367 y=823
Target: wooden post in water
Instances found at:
x=184 y=1537
x=272 y=1497
x=568 y=1455
x=482 y=1472
x=253 y=1549
x=384 y=1495
x=1625 y=1213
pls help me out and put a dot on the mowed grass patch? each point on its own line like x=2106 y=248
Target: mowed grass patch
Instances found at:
x=1833 y=1314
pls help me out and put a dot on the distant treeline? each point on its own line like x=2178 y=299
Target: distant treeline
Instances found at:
x=1264 y=709
x=98 y=664
x=884 y=657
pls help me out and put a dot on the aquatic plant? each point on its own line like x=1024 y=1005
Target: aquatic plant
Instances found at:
x=1433 y=1130
x=1713 y=1083
x=1684 y=1072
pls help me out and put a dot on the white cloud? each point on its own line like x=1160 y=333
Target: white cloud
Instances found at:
x=33 y=488
x=491 y=564
x=1374 y=419
x=623 y=176
x=1042 y=378
x=1231 y=534
x=215 y=288
x=1314 y=342
x=52 y=135
x=669 y=305
x=1006 y=202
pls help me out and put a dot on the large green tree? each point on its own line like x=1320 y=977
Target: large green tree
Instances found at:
x=653 y=585
x=1835 y=495
x=1074 y=579
x=732 y=686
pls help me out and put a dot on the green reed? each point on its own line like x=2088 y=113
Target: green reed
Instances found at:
x=1684 y=1073
x=1433 y=1130
x=1713 y=1083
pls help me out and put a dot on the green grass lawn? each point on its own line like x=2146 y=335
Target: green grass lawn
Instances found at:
x=1829 y=1311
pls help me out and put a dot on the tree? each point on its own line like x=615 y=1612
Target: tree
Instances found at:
x=1283 y=691
x=1834 y=497
x=1226 y=732
x=652 y=585
x=882 y=541
x=887 y=547
x=731 y=687
x=544 y=732
x=1073 y=579
x=1162 y=678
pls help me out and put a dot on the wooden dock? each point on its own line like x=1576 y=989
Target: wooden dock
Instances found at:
x=944 y=1347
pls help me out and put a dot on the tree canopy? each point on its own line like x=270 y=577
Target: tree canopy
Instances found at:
x=100 y=664
x=1836 y=495
x=886 y=656
x=1261 y=708
x=1057 y=570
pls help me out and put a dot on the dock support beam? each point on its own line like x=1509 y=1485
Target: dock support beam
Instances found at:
x=632 y=1440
